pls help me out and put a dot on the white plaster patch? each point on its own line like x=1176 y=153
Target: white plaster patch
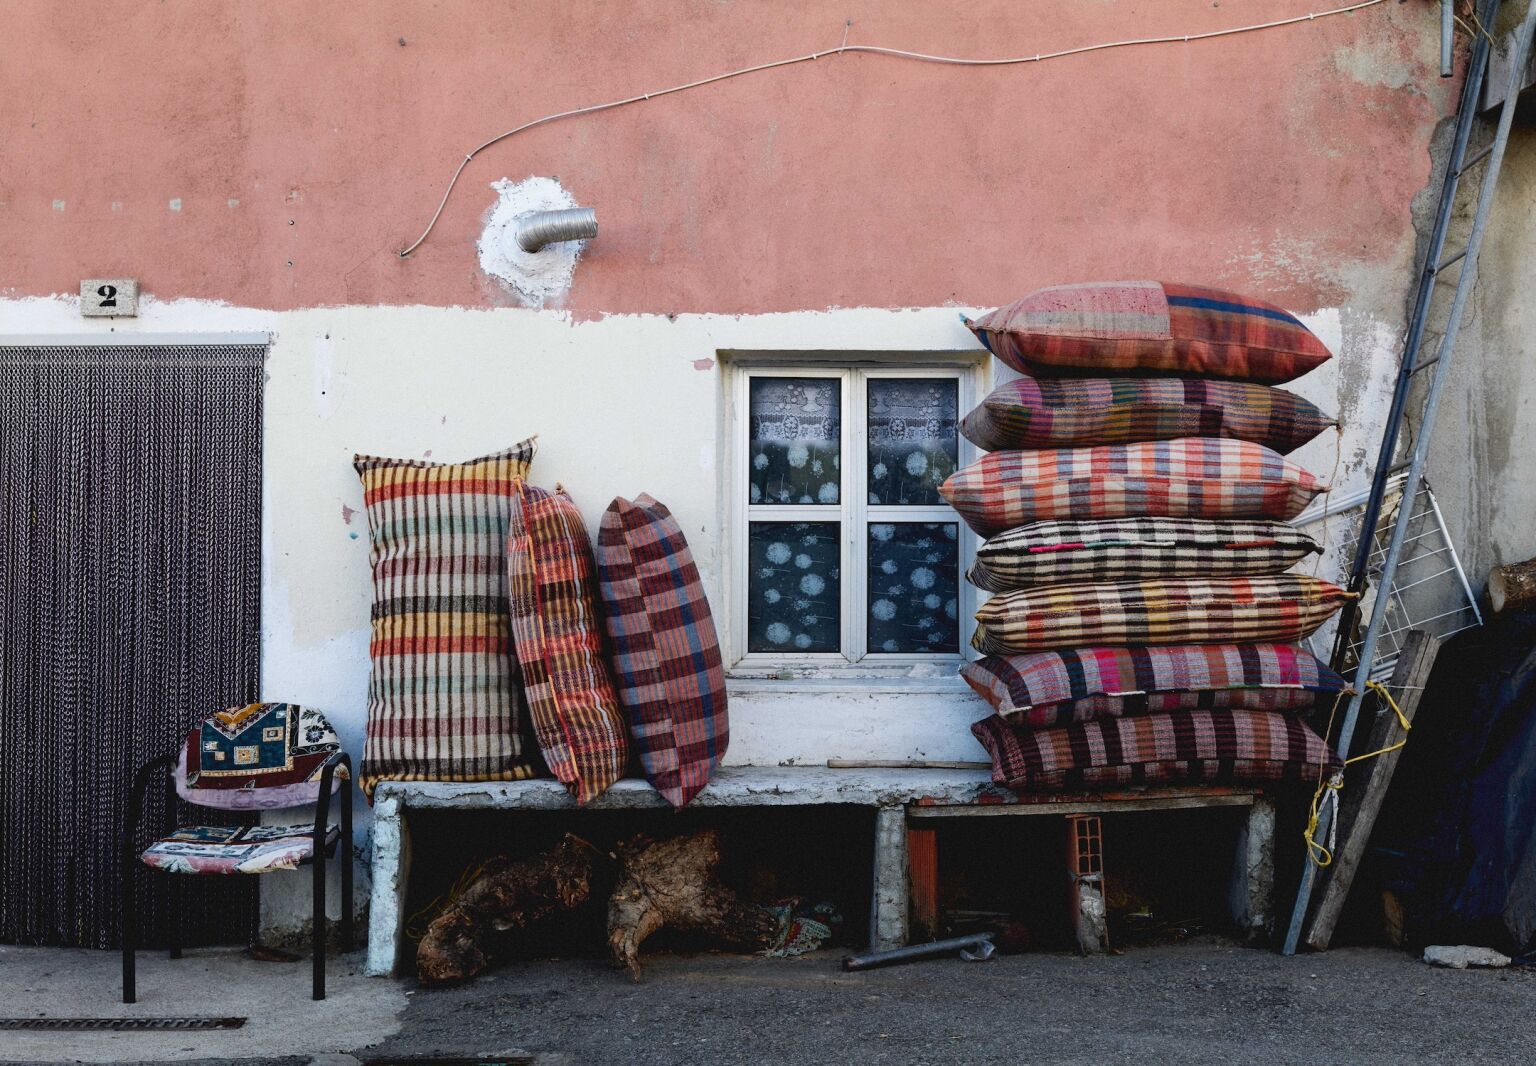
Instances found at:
x=536 y=278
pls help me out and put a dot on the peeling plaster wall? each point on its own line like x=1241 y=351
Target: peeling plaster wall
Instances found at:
x=1480 y=460
x=230 y=151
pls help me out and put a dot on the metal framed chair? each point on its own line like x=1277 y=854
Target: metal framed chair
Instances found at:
x=264 y=756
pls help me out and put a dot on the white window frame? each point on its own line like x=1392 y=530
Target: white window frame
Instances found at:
x=854 y=513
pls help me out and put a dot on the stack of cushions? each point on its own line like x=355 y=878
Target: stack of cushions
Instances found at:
x=477 y=573
x=1135 y=497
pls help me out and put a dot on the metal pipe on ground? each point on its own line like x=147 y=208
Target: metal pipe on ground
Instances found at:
x=915 y=952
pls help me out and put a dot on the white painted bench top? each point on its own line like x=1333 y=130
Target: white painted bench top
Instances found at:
x=732 y=786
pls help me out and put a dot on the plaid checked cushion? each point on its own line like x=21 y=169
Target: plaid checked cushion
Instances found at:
x=1068 y=412
x=552 y=597
x=1177 y=611
x=1217 y=747
x=1125 y=549
x=1138 y=327
x=443 y=703
x=666 y=655
x=1196 y=477
x=1049 y=688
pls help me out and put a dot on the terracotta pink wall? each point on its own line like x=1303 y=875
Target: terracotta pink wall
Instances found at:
x=1281 y=162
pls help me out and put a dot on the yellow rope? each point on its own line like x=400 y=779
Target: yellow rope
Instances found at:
x=1328 y=791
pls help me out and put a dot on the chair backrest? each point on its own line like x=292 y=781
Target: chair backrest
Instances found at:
x=258 y=757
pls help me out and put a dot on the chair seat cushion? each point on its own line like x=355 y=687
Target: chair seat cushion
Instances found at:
x=240 y=849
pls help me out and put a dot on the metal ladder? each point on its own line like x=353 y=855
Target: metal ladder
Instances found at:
x=1436 y=262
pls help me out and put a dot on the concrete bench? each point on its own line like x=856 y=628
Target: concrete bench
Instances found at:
x=896 y=797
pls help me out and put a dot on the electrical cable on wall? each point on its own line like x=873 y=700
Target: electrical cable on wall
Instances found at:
x=871 y=49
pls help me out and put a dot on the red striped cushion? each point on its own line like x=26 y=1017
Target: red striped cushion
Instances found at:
x=1049 y=688
x=552 y=599
x=1215 y=747
x=1284 y=607
x=443 y=702
x=665 y=652
x=1141 y=327
x=1072 y=412
x=1195 y=477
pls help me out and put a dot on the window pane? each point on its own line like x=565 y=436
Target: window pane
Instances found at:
x=796 y=431
x=794 y=587
x=914 y=587
x=913 y=439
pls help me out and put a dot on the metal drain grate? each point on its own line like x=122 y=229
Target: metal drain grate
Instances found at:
x=118 y=1025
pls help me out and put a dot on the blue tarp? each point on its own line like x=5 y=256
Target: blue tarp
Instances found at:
x=1456 y=834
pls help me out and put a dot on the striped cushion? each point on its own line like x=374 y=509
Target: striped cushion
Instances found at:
x=1069 y=412
x=443 y=703
x=1180 y=611
x=1049 y=688
x=1141 y=327
x=1126 y=549
x=1196 y=477
x=552 y=597
x=1218 y=747
x=666 y=654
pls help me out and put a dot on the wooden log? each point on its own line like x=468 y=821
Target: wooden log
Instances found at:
x=1361 y=801
x=673 y=885
x=1512 y=587
x=508 y=897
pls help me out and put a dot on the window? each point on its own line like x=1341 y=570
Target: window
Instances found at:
x=845 y=551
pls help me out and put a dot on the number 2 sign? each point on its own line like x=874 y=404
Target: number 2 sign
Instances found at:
x=109 y=297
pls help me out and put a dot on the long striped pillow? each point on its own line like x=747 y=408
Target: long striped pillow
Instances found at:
x=443 y=702
x=1073 y=412
x=1215 y=747
x=1284 y=607
x=552 y=599
x=1050 y=688
x=1195 y=477
x=1140 y=327
x=665 y=651
x=1128 y=549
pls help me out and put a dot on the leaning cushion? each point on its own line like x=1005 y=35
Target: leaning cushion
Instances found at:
x=241 y=849
x=1285 y=607
x=258 y=757
x=1127 y=549
x=552 y=597
x=1195 y=477
x=1218 y=747
x=1140 y=327
x=1071 y=412
x=1049 y=688
x=666 y=654
x=443 y=701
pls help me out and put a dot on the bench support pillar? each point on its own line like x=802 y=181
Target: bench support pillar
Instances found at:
x=1251 y=892
x=391 y=875
x=889 y=909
